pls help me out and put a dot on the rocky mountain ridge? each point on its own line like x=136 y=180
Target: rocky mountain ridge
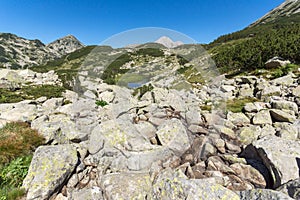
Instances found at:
x=18 y=52
x=286 y=9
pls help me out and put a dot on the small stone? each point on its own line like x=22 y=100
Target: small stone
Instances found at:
x=232 y=147
x=207 y=150
x=226 y=132
x=220 y=145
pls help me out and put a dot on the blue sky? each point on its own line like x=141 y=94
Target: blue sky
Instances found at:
x=93 y=21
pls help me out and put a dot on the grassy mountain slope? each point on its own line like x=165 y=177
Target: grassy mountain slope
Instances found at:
x=248 y=49
x=66 y=66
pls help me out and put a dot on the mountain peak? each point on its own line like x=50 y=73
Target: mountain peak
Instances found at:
x=65 y=45
x=168 y=42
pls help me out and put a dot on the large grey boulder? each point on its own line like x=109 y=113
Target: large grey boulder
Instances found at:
x=94 y=193
x=285 y=105
x=286 y=130
x=171 y=184
x=238 y=118
x=256 y=194
x=173 y=134
x=296 y=91
x=291 y=188
x=276 y=62
x=142 y=161
x=126 y=186
x=23 y=111
x=249 y=134
x=113 y=134
x=282 y=116
x=50 y=167
x=269 y=90
x=262 y=117
x=279 y=155
x=284 y=80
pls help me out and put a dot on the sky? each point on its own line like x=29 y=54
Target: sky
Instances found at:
x=94 y=21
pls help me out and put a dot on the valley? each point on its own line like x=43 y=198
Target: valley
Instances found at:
x=160 y=120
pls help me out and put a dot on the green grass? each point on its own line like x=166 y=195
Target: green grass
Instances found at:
x=17 y=144
x=237 y=105
x=30 y=92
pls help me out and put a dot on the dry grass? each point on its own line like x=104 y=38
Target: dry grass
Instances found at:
x=17 y=139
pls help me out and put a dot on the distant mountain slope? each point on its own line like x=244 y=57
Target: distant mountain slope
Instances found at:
x=284 y=15
x=18 y=52
x=285 y=10
x=168 y=42
x=275 y=34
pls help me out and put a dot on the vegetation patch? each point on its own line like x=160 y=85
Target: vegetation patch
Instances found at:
x=17 y=143
x=249 y=49
x=237 y=105
x=140 y=91
x=101 y=103
x=30 y=92
x=67 y=66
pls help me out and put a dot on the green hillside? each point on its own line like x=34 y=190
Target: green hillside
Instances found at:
x=248 y=49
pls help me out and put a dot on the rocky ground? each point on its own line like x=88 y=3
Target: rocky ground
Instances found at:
x=168 y=144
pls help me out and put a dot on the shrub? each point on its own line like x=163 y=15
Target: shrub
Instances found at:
x=101 y=103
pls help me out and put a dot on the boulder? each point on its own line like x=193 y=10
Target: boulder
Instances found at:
x=291 y=188
x=282 y=116
x=126 y=185
x=254 y=107
x=142 y=161
x=296 y=91
x=284 y=80
x=276 y=62
x=50 y=167
x=286 y=130
x=269 y=91
x=267 y=130
x=249 y=134
x=173 y=134
x=249 y=173
x=193 y=117
x=107 y=96
x=256 y=194
x=94 y=193
x=245 y=91
x=22 y=111
x=262 y=117
x=226 y=132
x=238 y=118
x=279 y=155
x=285 y=105
x=227 y=88
x=175 y=185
